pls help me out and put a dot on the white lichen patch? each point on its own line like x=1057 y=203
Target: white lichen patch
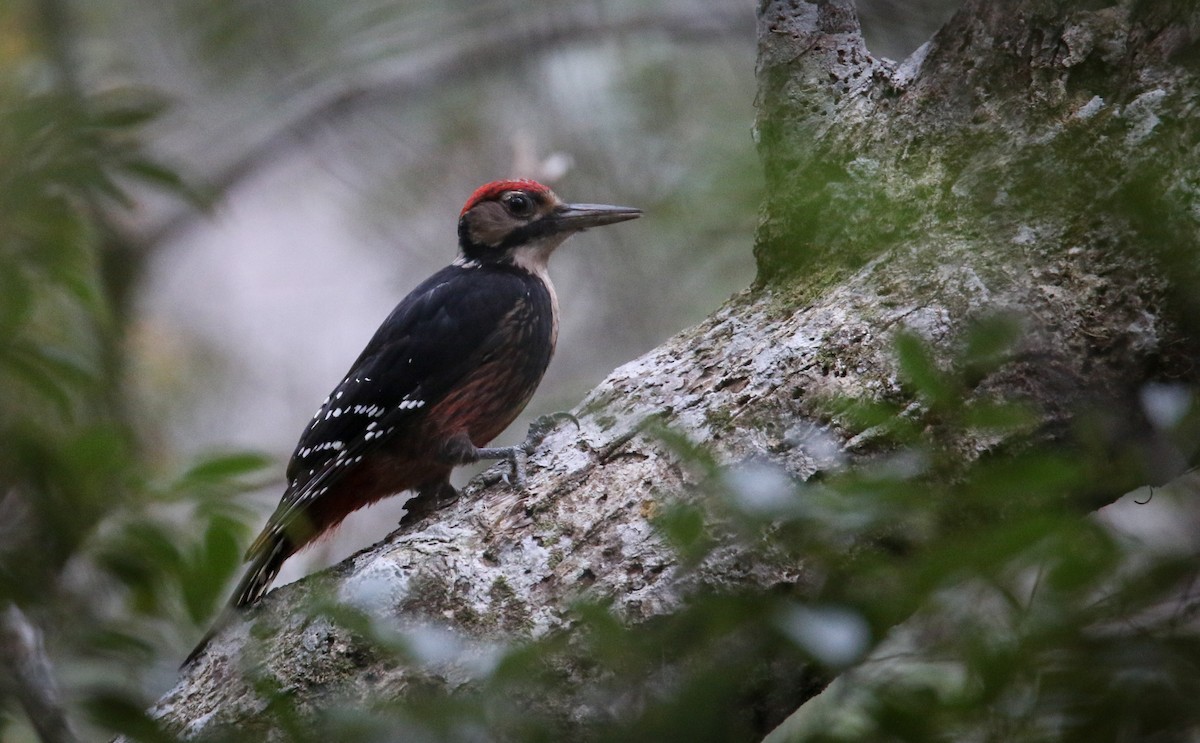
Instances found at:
x=1090 y=109
x=1142 y=116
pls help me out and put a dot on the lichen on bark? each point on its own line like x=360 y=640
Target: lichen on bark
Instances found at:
x=1035 y=161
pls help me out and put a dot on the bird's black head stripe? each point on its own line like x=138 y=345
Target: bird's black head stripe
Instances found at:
x=522 y=235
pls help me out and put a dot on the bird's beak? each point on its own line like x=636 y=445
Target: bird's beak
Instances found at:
x=575 y=217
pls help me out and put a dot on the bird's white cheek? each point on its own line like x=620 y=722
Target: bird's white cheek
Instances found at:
x=534 y=256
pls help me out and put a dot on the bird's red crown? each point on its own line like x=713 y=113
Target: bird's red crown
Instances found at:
x=495 y=188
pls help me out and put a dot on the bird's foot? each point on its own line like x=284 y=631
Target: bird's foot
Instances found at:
x=430 y=497
x=517 y=455
x=460 y=450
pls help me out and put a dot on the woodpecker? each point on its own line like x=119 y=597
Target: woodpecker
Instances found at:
x=449 y=369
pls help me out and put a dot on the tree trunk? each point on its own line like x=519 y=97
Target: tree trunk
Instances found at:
x=1035 y=160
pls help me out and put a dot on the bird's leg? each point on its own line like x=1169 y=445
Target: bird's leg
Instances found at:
x=519 y=454
x=458 y=449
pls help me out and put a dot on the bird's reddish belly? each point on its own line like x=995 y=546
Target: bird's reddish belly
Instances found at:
x=487 y=402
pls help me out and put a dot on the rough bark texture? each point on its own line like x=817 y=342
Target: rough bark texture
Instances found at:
x=1035 y=159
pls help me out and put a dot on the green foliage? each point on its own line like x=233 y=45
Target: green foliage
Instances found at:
x=1025 y=619
x=77 y=497
x=958 y=600
x=1036 y=623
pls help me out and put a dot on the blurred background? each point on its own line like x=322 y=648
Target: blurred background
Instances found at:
x=346 y=142
x=343 y=139
x=208 y=206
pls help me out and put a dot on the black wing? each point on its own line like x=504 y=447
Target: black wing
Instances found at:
x=424 y=347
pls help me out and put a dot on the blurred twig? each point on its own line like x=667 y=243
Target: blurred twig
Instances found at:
x=24 y=656
x=443 y=63
x=56 y=28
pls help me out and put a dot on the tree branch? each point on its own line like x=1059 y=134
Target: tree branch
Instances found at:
x=916 y=202
x=444 y=64
x=31 y=678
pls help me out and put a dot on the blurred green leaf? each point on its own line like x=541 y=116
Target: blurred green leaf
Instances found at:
x=155 y=173
x=1000 y=417
x=118 y=643
x=23 y=362
x=16 y=299
x=225 y=467
x=684 y=526
x=127 y=109
x=920 y=371
x=211 y=565
x=860 y=415
x=989 y=343
x=125 y=715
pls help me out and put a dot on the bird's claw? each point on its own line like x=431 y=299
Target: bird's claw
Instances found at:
x=518 y=455
x=519 y=459
x=429 y=498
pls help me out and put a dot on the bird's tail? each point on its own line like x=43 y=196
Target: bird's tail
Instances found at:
x=264 y=566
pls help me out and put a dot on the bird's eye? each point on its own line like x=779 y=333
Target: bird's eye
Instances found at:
x=518 y=204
